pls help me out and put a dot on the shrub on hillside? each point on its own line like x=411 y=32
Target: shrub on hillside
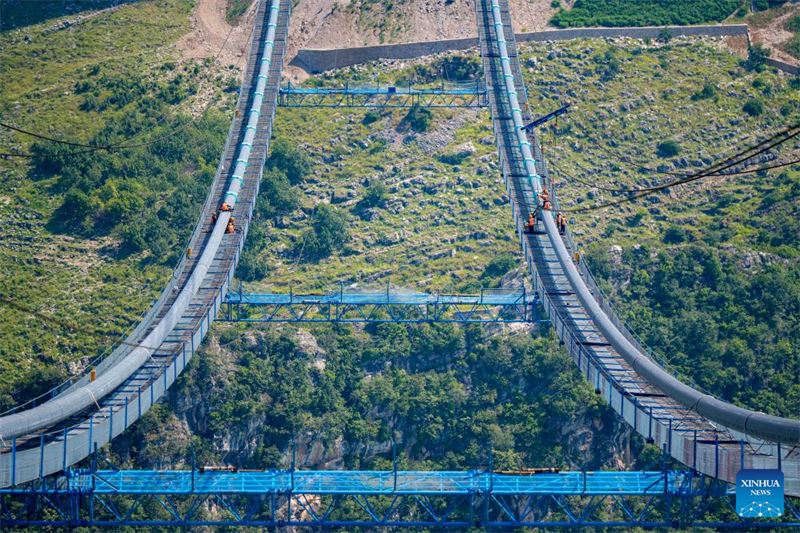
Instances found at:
x=708 y=92
x=277 y=197
x=616 y=13
x=668 y=148
x=754 y=108
x=756 y=58
x=419 y=118
x=328 y=232
x=376 y=196
x=289 y=159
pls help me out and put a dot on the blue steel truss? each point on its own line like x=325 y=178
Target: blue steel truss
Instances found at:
x=471 y=94
x=490 y=306
x=448 y=499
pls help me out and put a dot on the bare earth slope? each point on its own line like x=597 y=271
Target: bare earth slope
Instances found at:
x=349 y=23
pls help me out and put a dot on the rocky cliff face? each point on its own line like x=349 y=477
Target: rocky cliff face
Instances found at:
x=589 y=438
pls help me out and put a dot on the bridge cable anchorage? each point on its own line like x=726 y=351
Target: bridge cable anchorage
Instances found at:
x=515 y=155
x=117 y=145
x=170 y=326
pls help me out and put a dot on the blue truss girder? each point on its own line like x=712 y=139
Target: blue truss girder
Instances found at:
x=464 y=95
x=445 y=499
x=500 y=306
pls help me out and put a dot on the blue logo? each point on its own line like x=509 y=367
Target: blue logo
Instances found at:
x=759 y=493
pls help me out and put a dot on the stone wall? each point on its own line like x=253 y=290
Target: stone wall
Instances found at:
x=313 y=61
x=785 y=67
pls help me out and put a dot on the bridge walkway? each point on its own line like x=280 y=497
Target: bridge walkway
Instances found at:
x=683 y=433
x=55 y=448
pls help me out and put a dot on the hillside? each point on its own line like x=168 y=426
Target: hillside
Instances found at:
x=416 y=201
x=437 y=390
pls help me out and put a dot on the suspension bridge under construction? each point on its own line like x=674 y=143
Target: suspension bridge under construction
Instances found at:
x=48 y=443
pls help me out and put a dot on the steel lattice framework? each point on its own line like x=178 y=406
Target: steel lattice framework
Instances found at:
x=455 y=500
x=470 y=94
x=490 y=306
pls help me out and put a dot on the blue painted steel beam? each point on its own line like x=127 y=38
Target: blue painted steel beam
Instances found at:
x=369 y=482
x=500 y=306
x=434 y=499
x=470 y=94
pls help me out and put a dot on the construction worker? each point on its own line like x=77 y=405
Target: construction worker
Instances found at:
x=562 y=228
x=558 y=221
x=225 y=207
x=231 y=228
x=531 y=223
x=544 y=195
x=213 y=218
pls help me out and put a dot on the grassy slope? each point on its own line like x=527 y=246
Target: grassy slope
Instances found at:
x=742 y=224
x=419 y=240
x=618 y=124
x=81 y=281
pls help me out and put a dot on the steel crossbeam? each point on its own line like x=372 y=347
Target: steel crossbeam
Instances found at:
x=463 y=95
x=445 y=499
x=490 y=306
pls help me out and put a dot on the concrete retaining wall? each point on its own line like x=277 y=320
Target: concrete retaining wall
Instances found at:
x=785 y=67
x=313 y=61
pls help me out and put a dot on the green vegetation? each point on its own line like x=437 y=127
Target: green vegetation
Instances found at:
x=700 y=267
x=426 y=408
x=142 y=195
x=235 y=9
x=453 y=68
x=277 y=197
x=615 y=13
x=377 y=195
x=370 y=117
x=289 y=159
x=756 y=57
x=419 y=118
x=793 y=46
x=328 y=232
x=731 y=331
x=90 y=239
x=708 y=92
x=500 y=266
x=754 y=108
x=793 y=24
x=668 y=148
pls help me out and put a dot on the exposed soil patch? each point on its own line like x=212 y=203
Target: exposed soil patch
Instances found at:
x=210 y=30
x=775 y=36
x=328 y=24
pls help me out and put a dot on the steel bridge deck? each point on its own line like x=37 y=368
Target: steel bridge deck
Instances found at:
x=437 y=499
